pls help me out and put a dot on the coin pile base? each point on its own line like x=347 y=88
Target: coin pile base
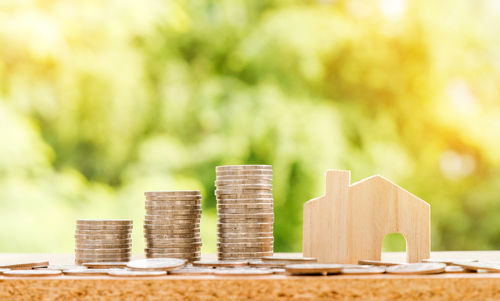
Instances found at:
x=103 y=240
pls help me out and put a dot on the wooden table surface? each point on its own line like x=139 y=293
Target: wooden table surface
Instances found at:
x=469 y=286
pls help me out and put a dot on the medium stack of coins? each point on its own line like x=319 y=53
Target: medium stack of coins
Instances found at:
x=103 y=240
x=172 y=224
x=244 y=211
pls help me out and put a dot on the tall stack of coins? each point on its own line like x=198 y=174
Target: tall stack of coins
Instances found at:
x=172 y=224
x=103 y=240
x=244 y=211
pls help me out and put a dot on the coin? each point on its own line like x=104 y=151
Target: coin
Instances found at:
x=243 y=166
x=225 y=244
x=231 y=182
x=58 y=267
x=172 y=226
x=31 y=273
x=243 y=192
x=126 y=222
x=220 y=263
x=268 y=178
x=242 y=255
x=247 y=240
x=191 y=271
x=256 y=234
x=25 y=265
x=447 y=261
x=4 y=270
x=103 y=257
x=260 y=263
x=222 y=200
x=265 y=173
x=124 y=241
x=103 y=237
x=154 y=213
x=168 y=245
x=177 y=221
x=378 y=263
x=416 y=268
x=243 y=187
x=452 y=269
x=123 y=233
x=182 y=201
x=103 y=251
x=105 y=265
x=104 y=227
x=187 y=257
x=242 y=272
x=87 y=272
x=188 y=240
x=157 y=235
x=250 y=206
x=276 y=258
x=172 y=216
x=125 y=273
x=246 y=211
x=249 y=227
x=244 y=249
x=173 y=193
x=363 y=270
x=173 y=249
x=167 y=206
x=156 y=264
x=475 y=266
x=313 y=269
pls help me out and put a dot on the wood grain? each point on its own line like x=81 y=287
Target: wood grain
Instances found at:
x=350 y=221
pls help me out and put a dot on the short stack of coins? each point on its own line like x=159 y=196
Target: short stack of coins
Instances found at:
x=103 y=240
x=244 y=211
x=172 y=224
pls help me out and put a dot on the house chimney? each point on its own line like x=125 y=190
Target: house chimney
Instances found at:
x=337 y=182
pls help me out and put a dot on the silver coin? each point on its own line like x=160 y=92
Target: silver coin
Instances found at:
x=125 y=241
x=243 y=187
x=220 y=263
x=453 y=269
x=103 y=251
x=126 y=273
x=25 y=265
x=184 y=249
x=161 y=201
x=378 y=263
x=266 y=173
x=166 y=231
x=103 y=237
x=265 y=226
x=166 y=236
x=104 y=227
x=231 y=182
x=230 y=235
x=173 y=216
x=172 y=212
x=103 y=257
x=177 y=221
x=222 y=249
x=313 y=268
x=242 y=272
x=54 y=267
x=416 y=268
x=175 y=240
x=125 y=222
x=166 y=206
x=244 y=166
x=31 y=273
x=226 y=244
x=191 y=271
x=475 y=266
x=172 y=226
x=243 y=191
x=363 y=270
x=95 y=233
x=186 y=256
x=248 y=212
x=247 y=240
x=173 y=192
x=101 y=246
x=156 y=264
x=235 y=255
x=191 y=245
x=295 y=259
x=222 y=200
x=252 y=206
x=259 y=264
x=87 y=272
x=105 y=265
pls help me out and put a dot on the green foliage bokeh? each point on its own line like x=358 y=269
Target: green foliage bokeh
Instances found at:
x=103 y=100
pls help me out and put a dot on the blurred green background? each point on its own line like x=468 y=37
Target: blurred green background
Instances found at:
x=101 y=100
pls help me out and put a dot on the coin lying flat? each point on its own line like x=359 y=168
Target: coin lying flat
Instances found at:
x=4 y=270
x=156 y=264
x=265 y=264
x=313 y=269
x=126 y=273
x=378 y=263
x=25 y=265
x=59 y=267
x=453 y=269
x=31 y=273
x=448 y=261
x=277 y=258
x=475 y=266
x=191 y=271
x=87 y=272
x=242 y=272
x=220 y=263
x=369 y=270
x=416 y=268
x=105 y=265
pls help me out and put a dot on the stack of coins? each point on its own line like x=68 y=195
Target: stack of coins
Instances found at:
x=103 y=240
x=172 y=224
x=244 y=211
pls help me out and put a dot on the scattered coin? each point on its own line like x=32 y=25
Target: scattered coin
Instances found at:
x=278 y=271
x=126 y=273
x=416 y=268
x=191 y=271
x=87 y=272
x=447 y=261
x=220 y=263
x=369 y=270
x=4 y=270
x=31 y=273
x=475 y=266
x=156 y=264
x=456 y=269
x=266 y=264
x=105 y=265
x=242 y=272
x=276 y=258
x=25 y=265
x=59 y=267
x=313 y=269
x=378 y=263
